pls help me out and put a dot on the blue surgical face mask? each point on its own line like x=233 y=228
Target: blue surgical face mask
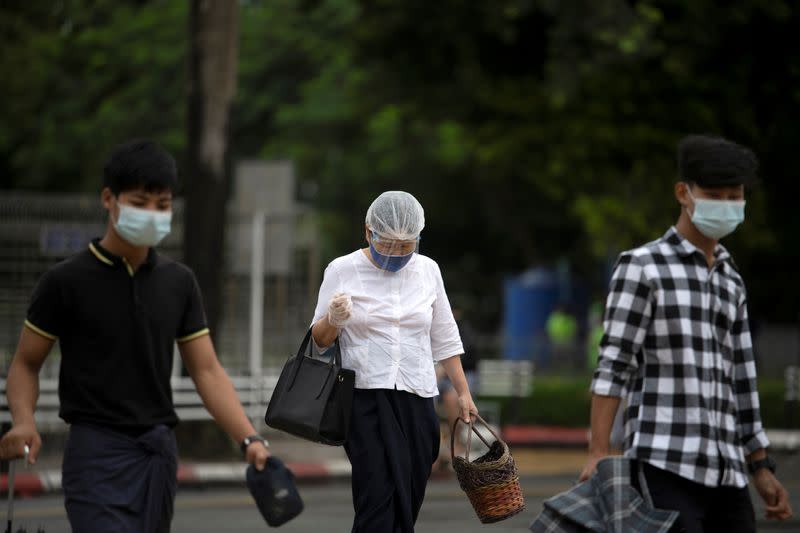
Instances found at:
x=716 y=218
x=392 y=263
x=142 y=227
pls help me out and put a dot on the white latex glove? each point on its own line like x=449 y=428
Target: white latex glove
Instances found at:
x=340 y=309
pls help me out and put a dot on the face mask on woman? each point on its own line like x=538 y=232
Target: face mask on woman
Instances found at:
x=392 y=263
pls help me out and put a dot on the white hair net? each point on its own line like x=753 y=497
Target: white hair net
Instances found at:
x=396 y=215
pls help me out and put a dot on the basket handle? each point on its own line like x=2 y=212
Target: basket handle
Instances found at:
x=472 y=428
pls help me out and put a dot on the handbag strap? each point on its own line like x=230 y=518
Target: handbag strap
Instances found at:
x=472 y=428
x=337 y=352
x=305 y=346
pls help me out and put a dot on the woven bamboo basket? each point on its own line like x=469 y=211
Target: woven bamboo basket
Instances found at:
x=490 y=481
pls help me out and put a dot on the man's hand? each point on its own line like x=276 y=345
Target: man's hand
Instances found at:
x=774 y=495
x=604 y=409
x=12 y=446
x=591 y=465
x=257 y=454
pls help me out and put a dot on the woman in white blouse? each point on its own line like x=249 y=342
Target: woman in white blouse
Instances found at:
x=388 y=306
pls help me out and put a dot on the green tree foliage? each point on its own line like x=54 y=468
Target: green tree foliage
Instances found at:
x=531 y=130
x=80 y=76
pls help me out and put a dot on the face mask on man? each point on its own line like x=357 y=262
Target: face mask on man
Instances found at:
x=716 y=218
x=142 y=227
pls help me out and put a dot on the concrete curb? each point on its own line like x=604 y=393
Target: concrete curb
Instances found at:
x=28 y=483
x=784 y=440
x=194 y=474
x=545 y=436
x=31 y=482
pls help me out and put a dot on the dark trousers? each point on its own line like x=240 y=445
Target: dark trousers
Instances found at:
x=116 y=482
x=702 y=509
x=392 y=444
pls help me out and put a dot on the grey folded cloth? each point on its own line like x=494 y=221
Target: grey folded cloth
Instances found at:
x=605 y=503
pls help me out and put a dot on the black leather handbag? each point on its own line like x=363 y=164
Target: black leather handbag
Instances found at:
x=313 y=398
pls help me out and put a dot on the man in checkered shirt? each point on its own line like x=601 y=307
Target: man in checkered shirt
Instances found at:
x=677 y=347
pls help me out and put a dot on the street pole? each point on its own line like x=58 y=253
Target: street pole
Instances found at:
x=257 y=304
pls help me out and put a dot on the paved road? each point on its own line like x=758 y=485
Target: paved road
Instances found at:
x=328 y=509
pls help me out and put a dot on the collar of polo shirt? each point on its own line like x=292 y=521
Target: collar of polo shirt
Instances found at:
x=107 y=258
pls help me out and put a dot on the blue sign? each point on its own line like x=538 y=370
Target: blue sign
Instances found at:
x=61 y=240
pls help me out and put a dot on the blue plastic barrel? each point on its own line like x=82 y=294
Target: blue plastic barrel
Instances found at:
x=528 y=300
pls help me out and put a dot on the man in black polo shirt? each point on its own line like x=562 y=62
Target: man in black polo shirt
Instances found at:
x=117 y=309
x=677 y=346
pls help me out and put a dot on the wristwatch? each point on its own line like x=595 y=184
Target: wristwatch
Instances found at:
x=250 y=440
x=767 y=462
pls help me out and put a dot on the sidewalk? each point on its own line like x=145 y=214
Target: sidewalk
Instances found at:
x=537 y=451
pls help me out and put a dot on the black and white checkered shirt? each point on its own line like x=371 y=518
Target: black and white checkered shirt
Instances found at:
x=677 y=346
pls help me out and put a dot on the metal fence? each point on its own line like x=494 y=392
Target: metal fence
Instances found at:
x=38 y=230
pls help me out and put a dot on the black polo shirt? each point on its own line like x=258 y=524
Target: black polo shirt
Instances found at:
x=117 y=330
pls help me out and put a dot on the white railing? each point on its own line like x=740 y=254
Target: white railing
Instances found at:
x=254 y=393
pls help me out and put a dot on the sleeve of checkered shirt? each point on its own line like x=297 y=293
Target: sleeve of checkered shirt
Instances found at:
x=627 y=318
x=744 y=370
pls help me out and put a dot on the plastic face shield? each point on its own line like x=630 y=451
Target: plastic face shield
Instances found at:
x=394 y=247
x=391 y=255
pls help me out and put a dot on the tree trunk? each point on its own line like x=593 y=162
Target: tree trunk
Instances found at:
x=213 y=51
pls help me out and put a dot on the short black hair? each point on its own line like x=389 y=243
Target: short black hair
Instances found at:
x=711 y=161
x=140 y=163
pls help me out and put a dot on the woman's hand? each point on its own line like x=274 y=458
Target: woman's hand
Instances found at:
x=340 y=309
x=466 y=406
x=452 y=365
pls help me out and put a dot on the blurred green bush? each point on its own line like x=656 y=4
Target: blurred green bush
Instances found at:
x=565 y=401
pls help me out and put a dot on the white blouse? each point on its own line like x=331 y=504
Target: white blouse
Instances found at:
x=401 y=322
